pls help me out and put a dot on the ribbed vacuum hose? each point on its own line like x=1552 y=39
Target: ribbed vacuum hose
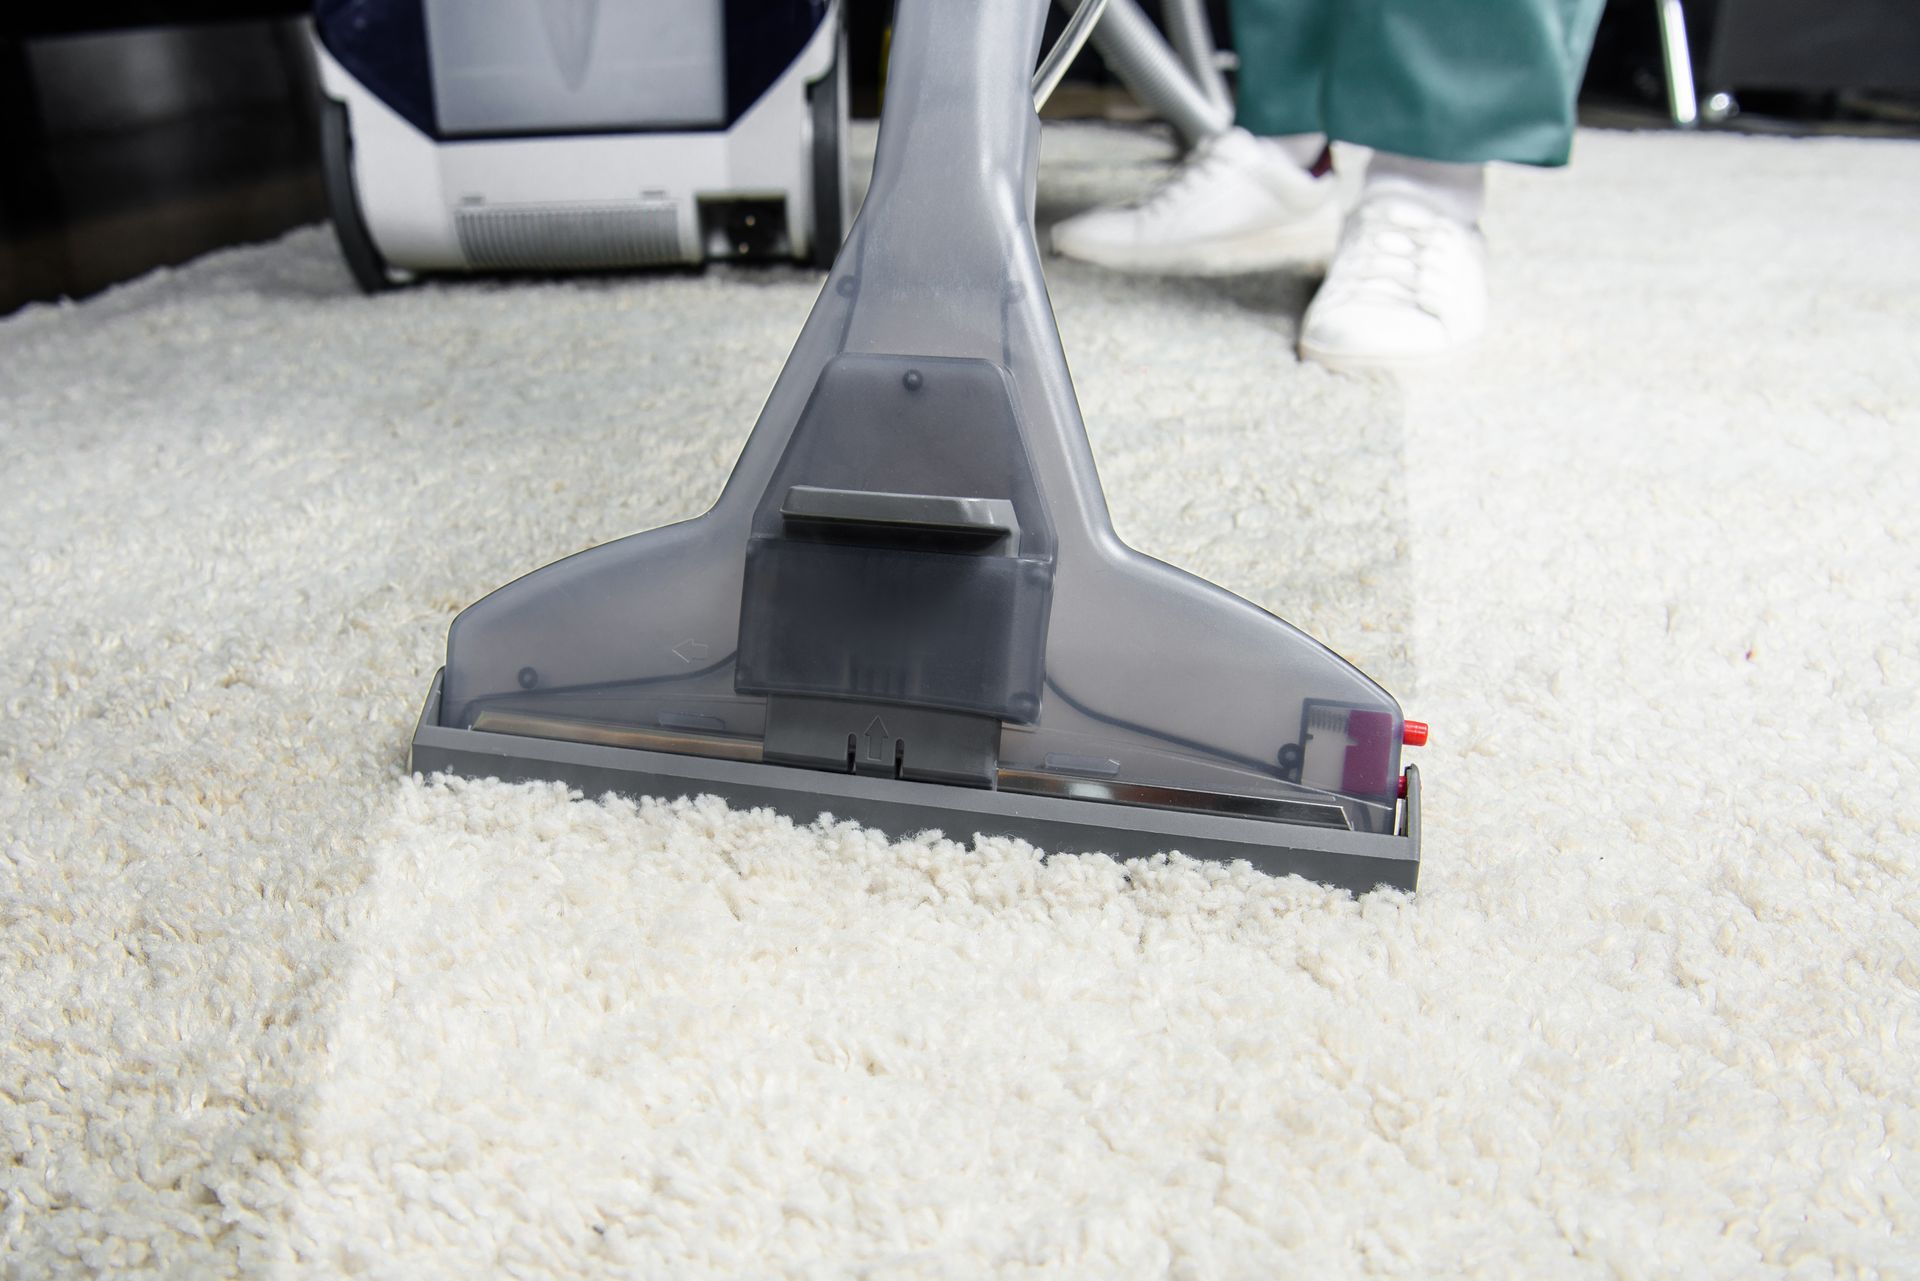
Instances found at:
x=1192 y=37
x=1133 y=48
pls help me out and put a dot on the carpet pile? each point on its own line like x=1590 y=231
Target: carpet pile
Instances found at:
x=1647 y=562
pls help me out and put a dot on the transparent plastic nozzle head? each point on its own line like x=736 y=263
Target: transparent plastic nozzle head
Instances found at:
x=911 y=569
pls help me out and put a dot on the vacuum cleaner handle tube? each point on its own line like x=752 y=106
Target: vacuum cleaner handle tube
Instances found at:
x=943 y=245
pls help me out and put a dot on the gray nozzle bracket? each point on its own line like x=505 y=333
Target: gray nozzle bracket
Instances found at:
x=901 y=808
x=966 y=519
x=883 y=741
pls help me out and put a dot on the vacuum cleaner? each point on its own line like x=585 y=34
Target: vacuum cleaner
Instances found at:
x=496 y=135
x=908 y=606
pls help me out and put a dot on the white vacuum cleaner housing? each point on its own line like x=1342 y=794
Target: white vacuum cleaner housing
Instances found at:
x=498 y=135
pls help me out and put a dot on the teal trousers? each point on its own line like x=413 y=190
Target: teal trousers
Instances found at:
x=1452 y=80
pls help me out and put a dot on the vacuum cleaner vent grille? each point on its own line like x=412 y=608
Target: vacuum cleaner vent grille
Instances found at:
x=636 y=234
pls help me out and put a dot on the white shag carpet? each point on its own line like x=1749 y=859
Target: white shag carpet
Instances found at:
x=1648 y=563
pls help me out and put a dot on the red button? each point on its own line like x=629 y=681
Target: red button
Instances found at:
x=1414 y=734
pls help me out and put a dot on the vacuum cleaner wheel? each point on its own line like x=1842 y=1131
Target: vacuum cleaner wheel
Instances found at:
x=343 y=207
x=827 y=100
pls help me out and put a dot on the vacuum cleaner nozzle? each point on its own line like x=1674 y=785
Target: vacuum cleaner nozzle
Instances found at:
x=908 y=606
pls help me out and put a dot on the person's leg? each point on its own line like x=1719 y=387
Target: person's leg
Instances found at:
x=1284 y=48
x=1461 y=81
x=1253 y=197
x=1437 y=88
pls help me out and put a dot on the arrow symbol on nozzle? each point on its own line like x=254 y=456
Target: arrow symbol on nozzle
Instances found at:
x=877 y=736
x=690 y=651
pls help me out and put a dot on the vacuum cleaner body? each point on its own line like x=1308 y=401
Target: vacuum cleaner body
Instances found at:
x=463 y=135
x=908 y=606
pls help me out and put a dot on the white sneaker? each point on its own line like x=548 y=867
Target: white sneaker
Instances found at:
x=1239 y=203
x=1407 y=288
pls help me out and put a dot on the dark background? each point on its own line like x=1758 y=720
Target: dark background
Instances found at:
x=140 y=135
